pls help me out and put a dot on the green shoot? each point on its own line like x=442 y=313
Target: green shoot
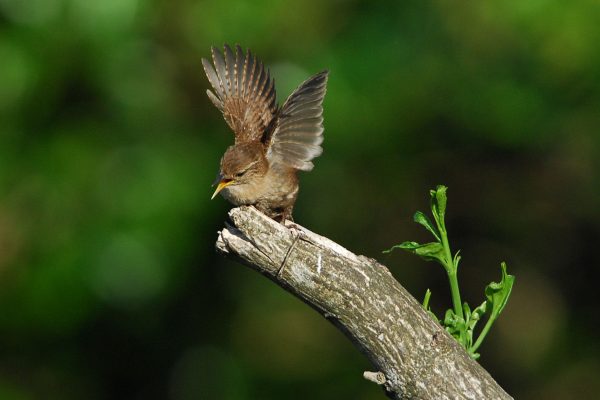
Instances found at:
x=459 y=320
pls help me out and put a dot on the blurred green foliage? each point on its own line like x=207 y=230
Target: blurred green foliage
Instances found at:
x=109 y=285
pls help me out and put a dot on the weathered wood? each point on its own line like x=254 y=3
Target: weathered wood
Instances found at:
x=417 y=358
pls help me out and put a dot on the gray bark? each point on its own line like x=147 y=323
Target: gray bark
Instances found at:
x=413 y=355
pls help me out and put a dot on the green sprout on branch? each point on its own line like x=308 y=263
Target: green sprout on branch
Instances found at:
x=460 y=320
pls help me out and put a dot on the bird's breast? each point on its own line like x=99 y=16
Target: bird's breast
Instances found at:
x=241 y=194
x=273 y=187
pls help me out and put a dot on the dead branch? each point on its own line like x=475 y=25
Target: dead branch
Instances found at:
x=413 y=356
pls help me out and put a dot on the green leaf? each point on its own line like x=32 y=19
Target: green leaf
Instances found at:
x=440 y=195
x=402 y=246
x=472 y=317
x=456 y=327
x=479 y=311
x=456 y=260
x=424 y=220
x=453 y=321
x=426 y=300
x=438 y=202
x=449 y=317
x=466 y=311
x=450 y=322
x=429 y=251
x=408 y=245
x=497 y=293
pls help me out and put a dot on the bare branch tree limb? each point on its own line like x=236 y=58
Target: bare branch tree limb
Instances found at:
x=414 y=357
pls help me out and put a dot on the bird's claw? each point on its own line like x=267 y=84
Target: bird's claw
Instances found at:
x=297 y=231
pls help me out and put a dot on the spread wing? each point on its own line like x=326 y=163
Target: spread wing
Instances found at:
x=298 y=132
x=243 y=91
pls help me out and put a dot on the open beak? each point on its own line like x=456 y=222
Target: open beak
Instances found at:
x=222 y=184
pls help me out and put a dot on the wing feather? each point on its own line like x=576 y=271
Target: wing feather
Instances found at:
x=243 y=91
x=230 y=71
x=298 y=133
x=221 y=69
x=212 y=77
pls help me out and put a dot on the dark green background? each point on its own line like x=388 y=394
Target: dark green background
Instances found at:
x=109 y=284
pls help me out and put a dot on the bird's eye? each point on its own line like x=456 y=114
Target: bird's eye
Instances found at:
x=240 y=174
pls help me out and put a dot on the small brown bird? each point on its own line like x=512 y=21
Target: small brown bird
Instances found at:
x=271 y=143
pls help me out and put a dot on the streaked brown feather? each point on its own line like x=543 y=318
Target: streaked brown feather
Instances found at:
x=243 y=91
x=298 y=132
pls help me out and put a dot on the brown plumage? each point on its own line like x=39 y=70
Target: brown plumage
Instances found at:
x=271 y=143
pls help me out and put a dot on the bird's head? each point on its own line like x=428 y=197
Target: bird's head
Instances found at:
x=240 y=164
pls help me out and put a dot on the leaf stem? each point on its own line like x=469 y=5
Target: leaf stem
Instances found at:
x=484 y=332
x=452 y=271
x=455 y=292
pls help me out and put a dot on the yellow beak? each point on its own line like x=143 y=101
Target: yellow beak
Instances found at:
x=222 y=185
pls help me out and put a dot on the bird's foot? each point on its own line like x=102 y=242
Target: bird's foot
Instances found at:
x=297 y=231
x=289 y=223
x=293 y=227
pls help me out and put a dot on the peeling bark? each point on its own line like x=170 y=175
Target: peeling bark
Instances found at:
x=414 y=357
